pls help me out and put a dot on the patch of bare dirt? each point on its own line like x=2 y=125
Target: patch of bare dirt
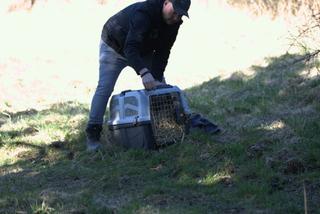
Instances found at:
x=256 y=150
x=286 y=161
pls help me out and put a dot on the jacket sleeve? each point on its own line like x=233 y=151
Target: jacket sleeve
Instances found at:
x=161 y=55
x=139 y=26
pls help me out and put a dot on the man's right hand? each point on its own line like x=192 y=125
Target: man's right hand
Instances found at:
x=147 y=79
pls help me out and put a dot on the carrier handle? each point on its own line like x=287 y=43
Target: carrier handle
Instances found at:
x=124 y=92
x=161 y=87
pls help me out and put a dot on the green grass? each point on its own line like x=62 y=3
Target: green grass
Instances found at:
x=270 y=146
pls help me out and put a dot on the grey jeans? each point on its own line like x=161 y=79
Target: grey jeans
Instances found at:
x=111 y=64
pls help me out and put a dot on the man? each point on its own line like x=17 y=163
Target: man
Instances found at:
x=140 y=36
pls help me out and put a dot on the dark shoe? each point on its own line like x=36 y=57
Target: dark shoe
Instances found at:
x=93 y=137
x=93 y=145
x=198 y=121
x=212 y=129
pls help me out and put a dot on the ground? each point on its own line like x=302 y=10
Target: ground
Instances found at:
x=265 y=160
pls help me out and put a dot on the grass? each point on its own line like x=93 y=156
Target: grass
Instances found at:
x=269 y=148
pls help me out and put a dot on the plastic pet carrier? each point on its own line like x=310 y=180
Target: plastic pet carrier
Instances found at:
x=148 y=119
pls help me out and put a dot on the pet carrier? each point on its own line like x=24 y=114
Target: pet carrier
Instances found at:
x=148 y=119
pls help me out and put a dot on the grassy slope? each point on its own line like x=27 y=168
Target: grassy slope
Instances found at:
x=269 y=149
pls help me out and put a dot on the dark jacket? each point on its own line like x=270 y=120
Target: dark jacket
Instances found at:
x=139 y=30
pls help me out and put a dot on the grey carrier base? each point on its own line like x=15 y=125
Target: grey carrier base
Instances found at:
x=148 y=119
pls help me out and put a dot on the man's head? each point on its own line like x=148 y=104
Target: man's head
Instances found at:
x=173 y=10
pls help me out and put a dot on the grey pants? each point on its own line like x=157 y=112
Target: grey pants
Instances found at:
x=111 y=64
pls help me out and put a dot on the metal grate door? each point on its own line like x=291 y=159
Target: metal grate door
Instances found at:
x=165 y=110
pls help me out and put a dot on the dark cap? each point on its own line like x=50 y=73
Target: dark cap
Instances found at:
x=181 y=7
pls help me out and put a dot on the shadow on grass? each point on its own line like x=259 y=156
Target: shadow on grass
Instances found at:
x=279 y=92
x=270 y=119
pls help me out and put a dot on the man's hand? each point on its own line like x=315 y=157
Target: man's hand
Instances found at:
x=147 y=79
